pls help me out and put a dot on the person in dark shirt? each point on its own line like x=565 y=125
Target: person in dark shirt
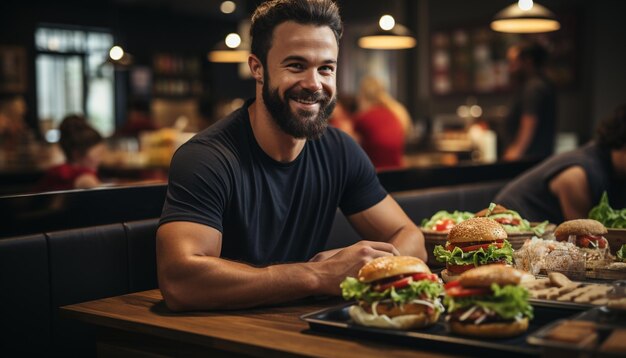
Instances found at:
x=531 y=123
x=568 y=185
x=251 y=200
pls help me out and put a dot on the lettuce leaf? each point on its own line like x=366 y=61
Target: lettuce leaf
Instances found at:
x=457 y=216
x=508 y=301
x=608 y=216
x=621 y=253
x=478 y=257
x=351 y=288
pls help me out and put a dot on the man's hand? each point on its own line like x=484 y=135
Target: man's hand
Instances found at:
x=347 y=262
x=324 y=255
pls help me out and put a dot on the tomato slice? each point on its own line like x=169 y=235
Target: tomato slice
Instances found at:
x=591 y=241
x=444 y=225
x=425 y=276
x=452 y=284
x=459 y=291
x=451 y=247
x=403 y=282
x=507 y=221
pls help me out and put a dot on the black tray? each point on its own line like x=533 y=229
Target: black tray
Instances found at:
x=336 y=320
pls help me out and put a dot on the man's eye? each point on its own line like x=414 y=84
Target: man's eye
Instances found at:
x=329 y=69
x=296 y=66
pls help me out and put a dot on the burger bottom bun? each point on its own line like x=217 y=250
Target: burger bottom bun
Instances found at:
x=409 y=321
x=448 y=276
x=491 y=330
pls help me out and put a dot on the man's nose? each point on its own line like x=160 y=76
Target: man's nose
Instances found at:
x=311 y=81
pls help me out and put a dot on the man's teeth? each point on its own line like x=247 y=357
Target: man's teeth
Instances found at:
x=305 y=102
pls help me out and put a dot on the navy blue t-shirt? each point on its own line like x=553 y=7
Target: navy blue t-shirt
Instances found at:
x=268 y=212
x=530 y=193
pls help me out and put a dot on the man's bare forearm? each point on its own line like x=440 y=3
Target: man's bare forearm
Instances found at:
x=410 y=241
x=206 y=282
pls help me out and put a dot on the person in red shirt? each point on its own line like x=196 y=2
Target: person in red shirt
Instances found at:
x=83 y=147
x=381 y=125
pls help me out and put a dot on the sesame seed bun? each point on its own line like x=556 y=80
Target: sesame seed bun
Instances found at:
x=389 y=266
x=491 y=330
x=580 y=227
x=477 y=230
x=448 y=276
x=499 y=209
x=484 y=276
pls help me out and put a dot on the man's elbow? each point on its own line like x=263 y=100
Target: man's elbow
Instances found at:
x=175 y=294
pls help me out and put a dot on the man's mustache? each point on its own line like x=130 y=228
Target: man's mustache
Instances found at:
x=309 y=96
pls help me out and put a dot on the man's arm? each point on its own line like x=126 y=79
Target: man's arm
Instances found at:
x=193 y=277
x=387 y=222
x=525 y=133
x=572 y=189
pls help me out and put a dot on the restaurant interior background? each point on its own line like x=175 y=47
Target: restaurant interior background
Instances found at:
x=55 y=55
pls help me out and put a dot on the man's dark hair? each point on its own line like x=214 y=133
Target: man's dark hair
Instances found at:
x=535 y=52
x=306 y=12
x=611 y=132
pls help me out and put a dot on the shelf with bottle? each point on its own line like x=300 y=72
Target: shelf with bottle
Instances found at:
x=177 y=76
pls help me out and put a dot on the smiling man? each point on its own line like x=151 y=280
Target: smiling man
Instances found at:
x=251 y=200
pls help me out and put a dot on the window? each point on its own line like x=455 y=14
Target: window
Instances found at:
x=73 y=77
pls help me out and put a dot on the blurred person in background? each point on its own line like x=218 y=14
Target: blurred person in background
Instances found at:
x=12 y=124
x=568 y=185
x=342 y=116
x=138 y=119
x=531 y=123
x=381 y=125
x=83 y=148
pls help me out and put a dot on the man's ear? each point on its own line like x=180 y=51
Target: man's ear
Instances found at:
x=256 y=68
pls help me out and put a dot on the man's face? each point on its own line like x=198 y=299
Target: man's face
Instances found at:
x=300 y=78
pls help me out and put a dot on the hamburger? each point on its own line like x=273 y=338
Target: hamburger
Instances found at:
x=472 y=243
x=488 y=302
x=394 y=292
x=511 y=220
x=585 y=233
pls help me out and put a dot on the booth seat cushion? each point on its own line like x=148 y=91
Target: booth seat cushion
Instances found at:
x=420 y=204
x=85 y=264
x=24 y=297
x=141 y=236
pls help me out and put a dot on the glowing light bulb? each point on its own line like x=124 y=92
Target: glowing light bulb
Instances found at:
x=116 y=53
x=525 y=4
x=233 y=40
x=228 y=7
x=387 y=22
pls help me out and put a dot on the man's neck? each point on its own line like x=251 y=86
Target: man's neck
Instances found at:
x=279 y=145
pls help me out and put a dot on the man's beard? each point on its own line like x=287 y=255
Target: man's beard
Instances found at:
x=303 y=123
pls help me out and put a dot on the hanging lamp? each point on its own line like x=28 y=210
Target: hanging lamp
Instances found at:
x=525 y=17
x=388 y=35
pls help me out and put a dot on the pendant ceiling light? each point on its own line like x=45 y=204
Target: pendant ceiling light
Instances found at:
x=525 y=17
x=229 y=51
x=119 y=58
x=388 y=36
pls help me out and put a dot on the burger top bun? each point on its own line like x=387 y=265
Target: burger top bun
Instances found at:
x=499 y=209
x=484 y=276
x=580 y=227
x=475 y=230
x=389 y=266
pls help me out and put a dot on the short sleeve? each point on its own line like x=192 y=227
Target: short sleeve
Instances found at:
x=362 y=187
x=534 y=94
x=199 y=186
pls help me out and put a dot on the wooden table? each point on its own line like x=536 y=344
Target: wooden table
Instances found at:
x=139 y=324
